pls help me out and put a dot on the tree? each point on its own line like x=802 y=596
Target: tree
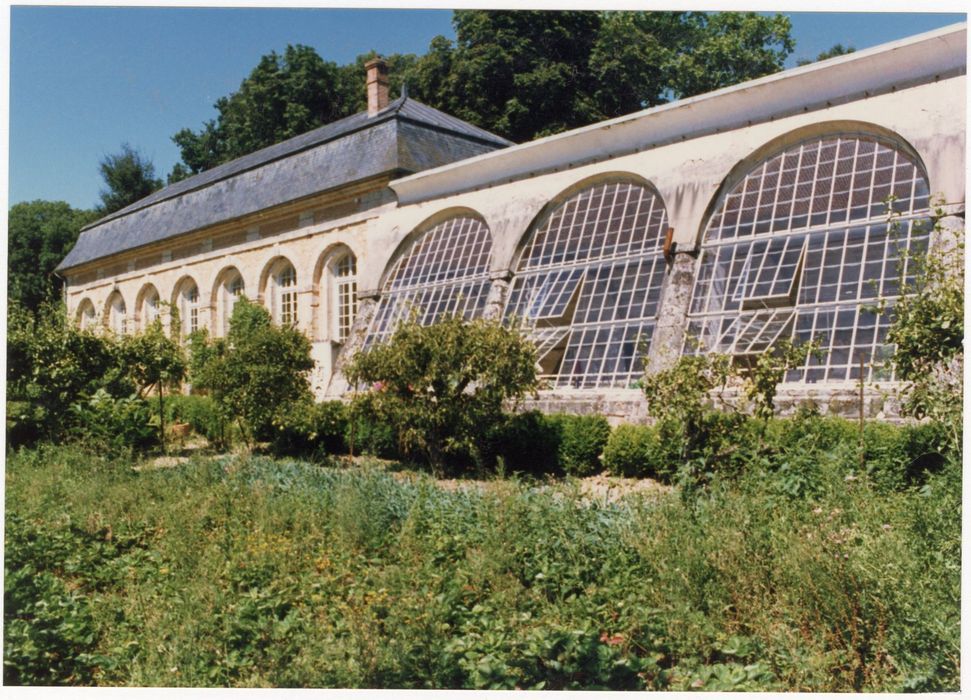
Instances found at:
x=443 y=387
x=353 y=77
x=517 y=73
x=129 y=177
x=154 y=361
x=41 y=233
x=256 y=372
x=832 y=52
x=282 y=97
x=529 y=74
x=52 y=365
x=927 y=331
x=521 y=74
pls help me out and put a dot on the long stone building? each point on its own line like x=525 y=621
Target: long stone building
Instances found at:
x=721 y=222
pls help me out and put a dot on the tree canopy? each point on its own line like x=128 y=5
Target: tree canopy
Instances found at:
x=831 y=52
x=520 y=74
x=283 y=96
x=129 y=176
x=40 y=234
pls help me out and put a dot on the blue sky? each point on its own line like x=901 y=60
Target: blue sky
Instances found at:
x=85 y=80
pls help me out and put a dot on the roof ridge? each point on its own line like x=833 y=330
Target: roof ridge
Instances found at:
x=232 y=168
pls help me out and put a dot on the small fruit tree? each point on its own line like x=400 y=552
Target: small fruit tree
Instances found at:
x=443 y=387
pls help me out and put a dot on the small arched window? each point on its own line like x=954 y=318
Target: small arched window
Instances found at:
x=116 y=319
x=283 y=293
x=86 y=315
x=343 y=295
x=230 y=290
x=150 y=310
x=187 y=303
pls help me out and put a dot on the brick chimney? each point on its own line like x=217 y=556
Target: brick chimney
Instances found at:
x=377 y=85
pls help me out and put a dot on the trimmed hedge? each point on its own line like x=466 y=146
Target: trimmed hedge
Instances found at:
x=632 y=451
x=583 y=439
x=310 y=430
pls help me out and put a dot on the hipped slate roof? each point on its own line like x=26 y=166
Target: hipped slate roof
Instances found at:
x=405 y=137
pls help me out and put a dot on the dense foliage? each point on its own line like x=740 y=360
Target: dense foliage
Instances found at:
x=442 y=387
x=40 y=234
x=258 y=370
x=520 y=74
x=128 y=176
x=247 y=572
x=927 y=330
x=52 y=365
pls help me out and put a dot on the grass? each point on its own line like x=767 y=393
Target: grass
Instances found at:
x=254 y=572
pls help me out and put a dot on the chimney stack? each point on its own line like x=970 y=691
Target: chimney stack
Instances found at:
x=377 y=85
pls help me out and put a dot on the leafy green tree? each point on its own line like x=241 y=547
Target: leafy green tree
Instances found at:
x=521 y=74
x=529 y=74
x=129 y=177
x=154 y=361
x=442 y=387
x=353 y=77
x=285 y=95
x=51 y=365
x=927 y=330
x=41 y=233
x=256 y=372
x=831 y=52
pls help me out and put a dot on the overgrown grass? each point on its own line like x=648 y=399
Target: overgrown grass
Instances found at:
x=253 y=572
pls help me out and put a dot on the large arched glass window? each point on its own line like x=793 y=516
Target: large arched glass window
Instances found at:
x=588 y=282
x=187 y=303
x=228 y=292
x=282 y=293
x=801 y=248
x=444 y=271
x=86 y=315
x=116 y=311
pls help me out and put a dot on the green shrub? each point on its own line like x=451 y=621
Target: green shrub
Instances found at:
x=310 y=429
x=113 y=424
x=898 y=456
x=201 y=413
x=632 y=450
x=582 y=442
x=369 y=435
x=527 y=442
x=442 y=387
x=255 y=371
x=49 y=633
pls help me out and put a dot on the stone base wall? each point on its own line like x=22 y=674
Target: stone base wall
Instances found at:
x=880 y=401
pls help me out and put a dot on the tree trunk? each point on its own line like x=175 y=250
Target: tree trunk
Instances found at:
x=161 y=417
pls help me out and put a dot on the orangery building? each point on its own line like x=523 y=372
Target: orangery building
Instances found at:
x=719 y=223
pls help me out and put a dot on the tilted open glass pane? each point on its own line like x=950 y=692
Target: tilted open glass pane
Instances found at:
x=754 y=334
x=772 y=272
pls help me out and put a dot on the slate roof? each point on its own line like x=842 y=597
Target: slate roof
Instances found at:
x=405 y=137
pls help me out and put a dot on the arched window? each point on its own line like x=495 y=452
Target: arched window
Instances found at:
x=588 y=282
x=343 y=295
x=229 y=291
x=282 y=293
x=445 y=270
x=86 y=315
x=801 y=248
x=187 y=303
x=116 y=311
x=150 y=307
